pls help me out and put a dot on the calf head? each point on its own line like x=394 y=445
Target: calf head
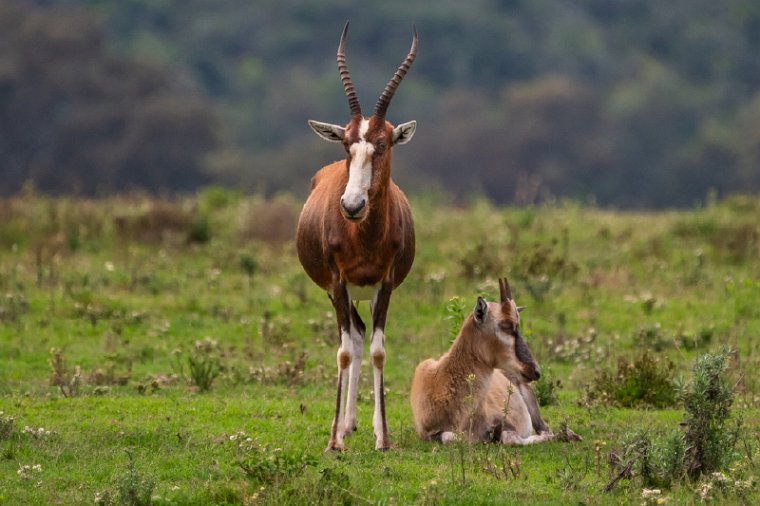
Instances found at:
x=503 y=343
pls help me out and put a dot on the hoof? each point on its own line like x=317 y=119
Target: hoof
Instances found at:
x=335 y=447
x=383 y=446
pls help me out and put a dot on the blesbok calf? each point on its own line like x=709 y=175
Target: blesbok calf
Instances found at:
x=355 y=239
x=481 y=387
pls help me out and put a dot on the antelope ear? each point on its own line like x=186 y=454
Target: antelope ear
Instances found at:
x=404 y=133
x=329 y=132
x=481 y=310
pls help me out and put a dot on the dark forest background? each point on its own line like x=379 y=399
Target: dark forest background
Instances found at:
x=628 y=103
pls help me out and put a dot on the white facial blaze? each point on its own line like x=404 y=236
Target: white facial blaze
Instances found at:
x=360 y=170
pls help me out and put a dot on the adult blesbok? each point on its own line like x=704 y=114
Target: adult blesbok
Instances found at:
x=355 y=239
x=481 y=387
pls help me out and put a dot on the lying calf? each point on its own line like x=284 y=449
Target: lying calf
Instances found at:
x=480 y=388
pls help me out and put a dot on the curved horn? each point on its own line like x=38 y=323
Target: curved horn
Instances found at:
x=385 y=98
x=505 y=290
x=345 y=76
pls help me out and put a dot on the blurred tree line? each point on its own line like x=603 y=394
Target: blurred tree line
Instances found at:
x=631 y=103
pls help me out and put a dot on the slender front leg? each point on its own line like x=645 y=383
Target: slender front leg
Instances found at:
x=357 y=339
x=377 y=351
x=509 y=437
x=529 y=396
x=341 y=303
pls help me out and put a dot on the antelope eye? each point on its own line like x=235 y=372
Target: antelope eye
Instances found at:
x=507 y=327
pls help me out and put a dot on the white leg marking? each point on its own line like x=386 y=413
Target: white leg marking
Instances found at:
x=344 y=361
x=377 y=352
x=357 y=345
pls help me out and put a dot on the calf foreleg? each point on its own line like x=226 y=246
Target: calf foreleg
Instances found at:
x=526 y=391
x=509 y=437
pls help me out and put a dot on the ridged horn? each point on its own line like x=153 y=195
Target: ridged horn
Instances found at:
x=505 y=290
x=345 y=76
x=390 y=89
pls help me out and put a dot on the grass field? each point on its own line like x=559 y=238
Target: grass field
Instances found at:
x=156 y=352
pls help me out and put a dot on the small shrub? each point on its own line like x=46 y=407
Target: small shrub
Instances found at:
x=6 y=426
x=546 y=388
x=62 y=376
x=131 y=488
x=334 y=487
x=274 y=328
x=117 y=370
x=201 y=366
x=694 y=341
x=646 y=381
x=704 y=447
x=710 y=439
x=501 y=463
x=456 y=312
x=200 y=229
x=13 y=306
x=652 y=337
x=266 y=465
x=249 y=265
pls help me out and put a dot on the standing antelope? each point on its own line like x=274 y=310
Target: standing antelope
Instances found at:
x=355 y=239
x=480 y=388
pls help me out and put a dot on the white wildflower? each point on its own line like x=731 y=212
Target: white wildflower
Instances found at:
x=648 y=493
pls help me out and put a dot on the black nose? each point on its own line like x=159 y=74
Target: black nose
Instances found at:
x=353 y=210
x=537 y=374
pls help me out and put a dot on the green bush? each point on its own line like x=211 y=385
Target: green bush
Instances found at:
x=703 y=447
x=710 y=438
x=645 y=381
x=546 y=388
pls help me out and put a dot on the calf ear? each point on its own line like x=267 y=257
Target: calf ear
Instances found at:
x=404 y=132
x=481 y=310
x=329 y=132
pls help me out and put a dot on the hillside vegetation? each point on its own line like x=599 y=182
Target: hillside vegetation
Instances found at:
x=627 y=103
x=144 y=341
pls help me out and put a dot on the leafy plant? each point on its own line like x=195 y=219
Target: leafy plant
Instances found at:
x=130 y=488
x=6 y=426
x=201 y=366
x=455 y=312
x=546 y=388
x=706 y=444
x=12 y=306
x=263 y=464
x=710 y=438
x=645 y=381
x=67 y=380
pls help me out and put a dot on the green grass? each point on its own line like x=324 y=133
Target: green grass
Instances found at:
x=126 y=287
